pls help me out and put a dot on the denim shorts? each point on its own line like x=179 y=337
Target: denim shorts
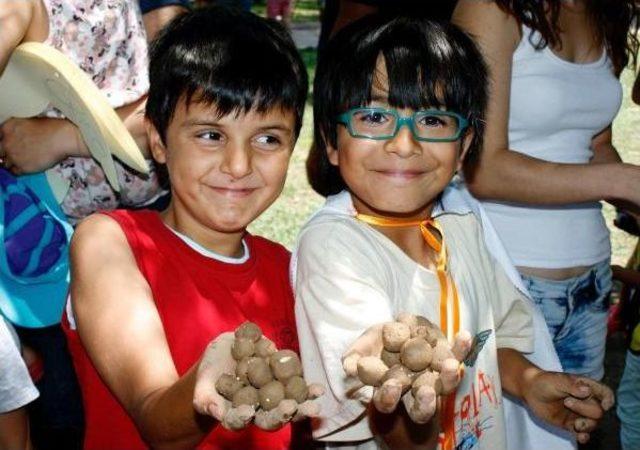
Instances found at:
x=575 y=311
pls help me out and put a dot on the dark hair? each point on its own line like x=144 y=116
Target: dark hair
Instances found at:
x=612 y=20
x=233 y=59
x=428 y=65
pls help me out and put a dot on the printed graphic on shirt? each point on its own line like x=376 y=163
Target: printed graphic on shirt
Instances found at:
x=476 y=346
x=475 y=411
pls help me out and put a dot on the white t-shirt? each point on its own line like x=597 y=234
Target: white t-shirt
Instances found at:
x=16 y=387
x=349 y=277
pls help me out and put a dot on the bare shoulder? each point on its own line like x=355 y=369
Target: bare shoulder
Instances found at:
x=97 y=231
x=485 y=21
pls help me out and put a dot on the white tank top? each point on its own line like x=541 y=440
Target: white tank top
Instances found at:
x=556 y=108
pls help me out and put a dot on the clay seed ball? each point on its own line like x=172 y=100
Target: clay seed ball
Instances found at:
x=270 y=395
x=400 y=373
x=390 y=358
x=285 y=364
x=416 y=354
x=441 y=352
x=427 y=378
x=248 y=330
x=395 y=334
x=259 y=372
x=227 y=385
x=296 y=389
x=265 y=347
x=243 y=367
x=371 y=370
x=247 y=395
x=242 y=348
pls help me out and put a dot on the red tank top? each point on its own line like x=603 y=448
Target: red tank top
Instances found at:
x=197 y=298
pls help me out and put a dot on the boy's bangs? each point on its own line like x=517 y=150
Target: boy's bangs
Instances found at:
x=420 y=74
x=238 y=85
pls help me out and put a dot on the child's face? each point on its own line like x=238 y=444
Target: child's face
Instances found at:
x=224 y=171
x=400 y=176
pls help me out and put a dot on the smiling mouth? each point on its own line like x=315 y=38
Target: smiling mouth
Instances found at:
x=400 y=174
x=232 y=192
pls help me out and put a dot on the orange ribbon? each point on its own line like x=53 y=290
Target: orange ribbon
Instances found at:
x=449 y=304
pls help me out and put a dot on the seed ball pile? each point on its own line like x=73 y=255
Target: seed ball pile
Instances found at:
x=264 y=376
x=413 y=353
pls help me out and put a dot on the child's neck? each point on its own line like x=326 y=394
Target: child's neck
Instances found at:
x=222 y=243
x=409 y=239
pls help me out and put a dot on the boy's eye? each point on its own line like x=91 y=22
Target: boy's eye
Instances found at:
x=372 y=118
x=210 y=135
x=268 y=141
x=433 y=121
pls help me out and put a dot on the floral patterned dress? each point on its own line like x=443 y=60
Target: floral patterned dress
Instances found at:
x=106 y=39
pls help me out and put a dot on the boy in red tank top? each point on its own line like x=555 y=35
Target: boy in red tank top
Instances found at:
x=152 y=291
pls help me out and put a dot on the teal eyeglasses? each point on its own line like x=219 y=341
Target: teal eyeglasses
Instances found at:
x=431 y=125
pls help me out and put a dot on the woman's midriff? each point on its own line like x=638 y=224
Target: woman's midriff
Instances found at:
x=553 y=274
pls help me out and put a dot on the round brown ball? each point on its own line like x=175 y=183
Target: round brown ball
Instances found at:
x=243 y=367
x=441 y=352
x=242 y=348
x=247 y=395
x=265 y=347
x=427 y=378
x=296 y=389
x=416 y=354
x=270 y=395
x=248 y=330
x=390 y=358
x=259 y=372
x=227 y=385
x=285 y=364
x=394 y=334
x=400 y=373
x=371 y=370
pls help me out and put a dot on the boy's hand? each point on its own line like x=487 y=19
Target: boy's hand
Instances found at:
x=420 y=402
x=217 y=360
x=568 y=401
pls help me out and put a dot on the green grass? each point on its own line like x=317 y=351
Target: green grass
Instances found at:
x=283 y=220
x=304 y=10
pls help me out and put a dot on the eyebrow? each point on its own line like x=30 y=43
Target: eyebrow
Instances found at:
x=205 y=122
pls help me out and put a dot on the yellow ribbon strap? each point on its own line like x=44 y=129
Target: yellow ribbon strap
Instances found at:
x=449 y=304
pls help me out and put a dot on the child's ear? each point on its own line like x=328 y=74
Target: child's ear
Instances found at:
x=332 y=155
x=464 y=147
x=156 y=146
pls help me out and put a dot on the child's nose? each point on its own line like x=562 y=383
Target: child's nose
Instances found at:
x=404 y=144
x=236 y=161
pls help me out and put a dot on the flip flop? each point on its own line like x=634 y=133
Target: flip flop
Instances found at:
x=37 y=75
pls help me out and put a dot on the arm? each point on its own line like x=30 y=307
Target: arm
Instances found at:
x=15 y=18
x=504 y=174
x=564 y=400
x=122 y=333
x=34 y=145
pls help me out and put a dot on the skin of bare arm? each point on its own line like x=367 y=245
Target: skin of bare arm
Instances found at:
x=14 y=429
x=120 y=329
x=564 y=400
x=15 y=18
x=503 y=174
x=34 y=145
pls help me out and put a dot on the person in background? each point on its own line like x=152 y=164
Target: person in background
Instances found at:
x=548 y=157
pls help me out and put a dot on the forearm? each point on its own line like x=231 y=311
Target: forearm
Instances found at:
x=166 y=418
x=516 y=372
x=511 y=176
